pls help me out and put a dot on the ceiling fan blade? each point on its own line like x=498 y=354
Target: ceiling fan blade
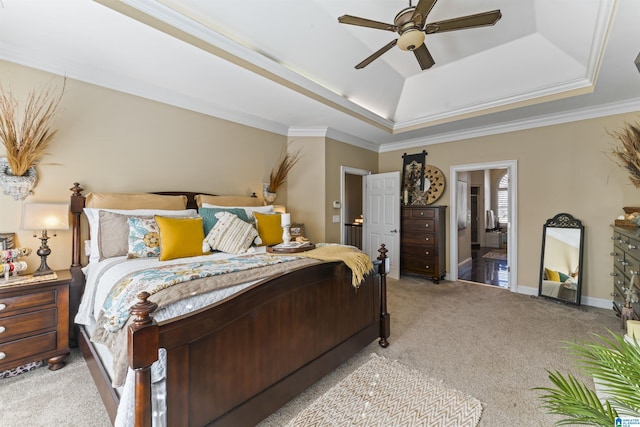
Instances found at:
x=470 y=21
x=377 y=54
x=424 y=57
x=421 y=11
x=362 y=22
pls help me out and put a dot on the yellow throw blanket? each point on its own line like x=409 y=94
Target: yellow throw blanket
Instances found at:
x=359 y=262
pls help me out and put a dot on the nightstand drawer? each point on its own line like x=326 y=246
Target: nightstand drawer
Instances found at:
x=30 y=300
x=26 y=323
x=15 y=350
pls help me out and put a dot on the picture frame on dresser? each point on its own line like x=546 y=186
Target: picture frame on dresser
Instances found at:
x=412 y=174
x=7 y=241
x=297 y=230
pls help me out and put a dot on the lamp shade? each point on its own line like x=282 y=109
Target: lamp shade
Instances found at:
x=45 y=216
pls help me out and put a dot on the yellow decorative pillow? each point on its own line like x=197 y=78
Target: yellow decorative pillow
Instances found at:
x=552 y=275
x=180 y=237
x=269 y=228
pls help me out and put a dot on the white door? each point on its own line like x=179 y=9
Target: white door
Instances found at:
x=382 y=218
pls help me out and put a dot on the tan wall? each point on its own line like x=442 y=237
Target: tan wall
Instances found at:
x=110 y=141
x=561 y=168
x=306 y=186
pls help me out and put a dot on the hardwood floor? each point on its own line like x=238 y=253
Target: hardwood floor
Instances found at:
x=486 y=268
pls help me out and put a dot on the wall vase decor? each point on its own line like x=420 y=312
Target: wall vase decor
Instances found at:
x=269 y=197
x=17 y=186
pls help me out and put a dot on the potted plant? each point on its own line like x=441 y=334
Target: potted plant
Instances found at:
x=25 y=136
x=614 y=364
x=279 y=174
x=627 y=153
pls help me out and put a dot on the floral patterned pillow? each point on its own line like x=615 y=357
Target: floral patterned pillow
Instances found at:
x=144 y=238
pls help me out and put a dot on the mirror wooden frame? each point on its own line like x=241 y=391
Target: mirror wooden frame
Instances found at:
x=565 y=290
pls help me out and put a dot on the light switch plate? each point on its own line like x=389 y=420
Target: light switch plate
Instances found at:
x=336 y=218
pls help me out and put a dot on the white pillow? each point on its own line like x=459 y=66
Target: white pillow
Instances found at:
x=93 y=216
x=248 y=209
x=230 y=234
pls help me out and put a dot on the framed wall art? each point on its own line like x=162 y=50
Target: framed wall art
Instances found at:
x=412 y=175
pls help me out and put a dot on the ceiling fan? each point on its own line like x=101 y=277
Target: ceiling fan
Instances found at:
x=410 y=24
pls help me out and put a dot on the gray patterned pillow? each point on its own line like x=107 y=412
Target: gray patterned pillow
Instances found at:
x=230 y=234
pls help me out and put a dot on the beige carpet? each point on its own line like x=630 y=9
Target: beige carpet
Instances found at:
x=385 y=393
x=482 y=340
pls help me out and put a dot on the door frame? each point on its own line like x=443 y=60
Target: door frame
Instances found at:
x=344 y=170
x=512 y=236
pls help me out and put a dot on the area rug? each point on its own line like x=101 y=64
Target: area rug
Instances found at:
x=386 y=393
x=495 y=255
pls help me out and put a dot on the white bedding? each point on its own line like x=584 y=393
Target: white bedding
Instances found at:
x=100 y=277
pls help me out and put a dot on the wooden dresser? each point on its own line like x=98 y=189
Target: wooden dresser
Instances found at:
x=422 y=241
x=34 y=322
x=626 y=262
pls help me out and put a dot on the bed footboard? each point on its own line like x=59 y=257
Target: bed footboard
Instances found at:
x=238 y=363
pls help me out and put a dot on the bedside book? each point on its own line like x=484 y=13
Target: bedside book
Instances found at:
x=291 y=247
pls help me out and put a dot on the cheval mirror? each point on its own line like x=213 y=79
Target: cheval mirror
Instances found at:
x=561 y=261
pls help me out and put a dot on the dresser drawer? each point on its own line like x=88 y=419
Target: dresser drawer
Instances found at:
x=418 y=213
x=423 y=239
x=15 y=350
x=420 y=226
x=419 y=266
x=11 y=304
x=417 y=253
x=26 y=323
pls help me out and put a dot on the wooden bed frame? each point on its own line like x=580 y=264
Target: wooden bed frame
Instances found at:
x=237 y=361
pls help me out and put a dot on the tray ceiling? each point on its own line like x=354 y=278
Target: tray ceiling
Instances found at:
x=288 y=66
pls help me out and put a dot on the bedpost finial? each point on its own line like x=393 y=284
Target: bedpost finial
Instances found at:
x=383 y=252
x=76 y=189
x=141 y=311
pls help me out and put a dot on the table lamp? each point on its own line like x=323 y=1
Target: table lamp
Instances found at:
x=45 y=217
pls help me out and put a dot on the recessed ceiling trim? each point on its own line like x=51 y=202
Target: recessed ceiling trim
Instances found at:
x=173 y=23
x=314 y=131
x=517 y=125
x=569 y=89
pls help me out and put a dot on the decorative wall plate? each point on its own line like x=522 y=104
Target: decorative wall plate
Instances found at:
x=434 y=179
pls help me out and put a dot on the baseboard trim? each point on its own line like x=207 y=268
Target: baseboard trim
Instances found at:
x=584 y=300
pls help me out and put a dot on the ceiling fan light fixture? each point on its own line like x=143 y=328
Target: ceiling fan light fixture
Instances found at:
x=411 y=39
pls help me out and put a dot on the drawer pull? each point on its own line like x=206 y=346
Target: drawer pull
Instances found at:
x=426 y=225
x=632 y=246
x=426 y=238
x=2 y=306
x=427 y=267
x=421 y=213
x=2 y=355
x=2 y=329
x=613 y=274
x=613 y=254
x=426 y=252
x=614 y=294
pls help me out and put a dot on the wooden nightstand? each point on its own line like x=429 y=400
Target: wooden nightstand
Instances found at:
x=34 y=322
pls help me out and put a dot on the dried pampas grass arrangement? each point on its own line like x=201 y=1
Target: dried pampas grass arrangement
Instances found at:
x=278 y=176
x=627 y=154
x=26 y=135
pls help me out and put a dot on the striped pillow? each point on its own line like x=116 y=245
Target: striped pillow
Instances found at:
x=230 y=234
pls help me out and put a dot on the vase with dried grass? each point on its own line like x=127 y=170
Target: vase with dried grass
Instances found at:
x=278 y=175
x=627 y=153
x=25 y=136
